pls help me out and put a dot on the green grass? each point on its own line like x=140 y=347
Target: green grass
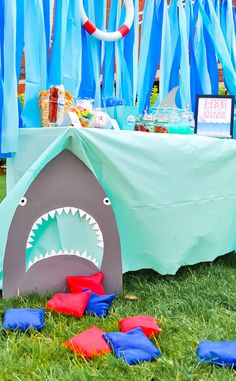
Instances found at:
x=197 y=303
x=2 y=186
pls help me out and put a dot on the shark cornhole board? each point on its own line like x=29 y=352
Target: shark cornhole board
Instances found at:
x=64 y=225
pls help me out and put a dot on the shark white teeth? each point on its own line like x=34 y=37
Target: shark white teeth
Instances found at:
x=101 y=244
x=34 y=227
x=84 y=254
x=30 y=264
x=67 y=210
x=30 y=239
x=47 y=219
x=73 y=211
x=53 y=253
x=40 y=221
x=92 y=221
x=96 y=227
x=82 y=213
x=59 y=211
x=52 y=213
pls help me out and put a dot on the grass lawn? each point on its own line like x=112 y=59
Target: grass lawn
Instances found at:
x=2 y=186
x=197 y=303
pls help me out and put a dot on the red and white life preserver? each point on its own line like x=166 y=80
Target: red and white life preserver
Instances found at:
x=109 y=36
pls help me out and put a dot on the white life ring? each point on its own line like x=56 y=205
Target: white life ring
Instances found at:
x=108 y=36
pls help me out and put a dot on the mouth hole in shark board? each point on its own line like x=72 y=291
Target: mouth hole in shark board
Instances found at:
x=65 y=231
x=64 y=225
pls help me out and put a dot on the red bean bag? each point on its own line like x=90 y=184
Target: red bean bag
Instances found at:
x=92 y=282
x=69 y=304
x=147 y=323
x=89 y=343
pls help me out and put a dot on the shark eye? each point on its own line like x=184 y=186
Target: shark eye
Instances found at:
x=23 y=201
x=106 y=201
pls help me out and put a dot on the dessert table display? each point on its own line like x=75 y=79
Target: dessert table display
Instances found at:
x=173 y=196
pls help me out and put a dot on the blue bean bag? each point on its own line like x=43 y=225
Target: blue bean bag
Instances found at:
x=133 y=347
x=23 y=319
x=99 y=304
x=216 y=352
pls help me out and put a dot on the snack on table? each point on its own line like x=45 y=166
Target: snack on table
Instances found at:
x=101 y=120
x=84 y=112
x=53 y=105
x=68 y=102
x=60 y=104
x=86 y=118
x=44 y=107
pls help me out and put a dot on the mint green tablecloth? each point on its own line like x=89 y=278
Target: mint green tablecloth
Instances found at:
x=174 y=196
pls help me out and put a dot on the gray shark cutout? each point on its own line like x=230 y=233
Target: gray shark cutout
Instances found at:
x=169 y=100
x=64 y=185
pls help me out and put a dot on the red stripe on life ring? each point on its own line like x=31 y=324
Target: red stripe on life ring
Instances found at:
x=90 y=27
x=123 y=30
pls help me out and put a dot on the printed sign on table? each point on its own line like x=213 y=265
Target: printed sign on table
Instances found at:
x=214 y=115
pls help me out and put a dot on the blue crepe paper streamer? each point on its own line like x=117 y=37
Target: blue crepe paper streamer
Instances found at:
x=195 y=78
x=109 y=57
x=48 y=6
x=125 y=92
x=184 y=60
x=1 y=68
x=19 y=46
x=87 y=86
x=118 y=61
x=91 y=57
x=150 y=47
x=211 y=59
x=95 y=46
x=201 y=56
x=213 y=27
x=9 y=116
x=227 y=26
x=176 y=47
x=135 y=50
x=72 y=56
x=166 y=52
x=58 y=46
x=35 y=61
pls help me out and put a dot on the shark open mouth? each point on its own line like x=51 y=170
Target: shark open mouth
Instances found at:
x=65 y=231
